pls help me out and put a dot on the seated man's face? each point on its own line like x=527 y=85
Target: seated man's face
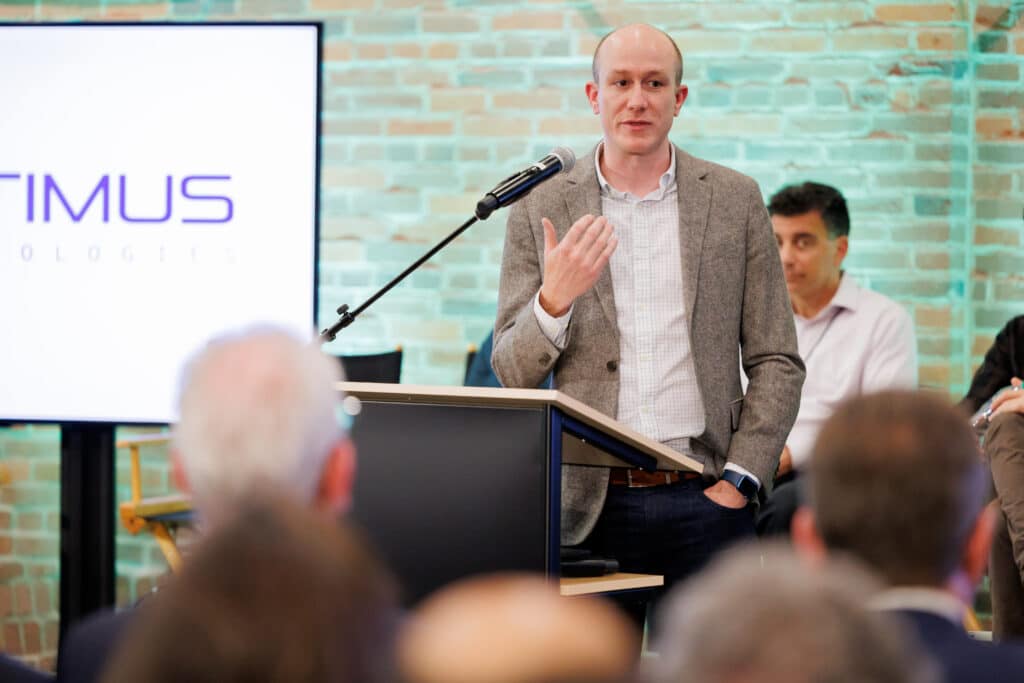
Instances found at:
x=811 y=258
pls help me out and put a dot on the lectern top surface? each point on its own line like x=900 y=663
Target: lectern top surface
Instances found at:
x=522 y=398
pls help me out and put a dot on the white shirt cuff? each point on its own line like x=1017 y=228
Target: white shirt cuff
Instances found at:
x=554 y=329
x=744 y=471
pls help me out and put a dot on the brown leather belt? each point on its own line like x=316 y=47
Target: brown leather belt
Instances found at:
x=637 y=478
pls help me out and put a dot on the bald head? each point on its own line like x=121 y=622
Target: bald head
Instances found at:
x=641 y=37
x=515 y=629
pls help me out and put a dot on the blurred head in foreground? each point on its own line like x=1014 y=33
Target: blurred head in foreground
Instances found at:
x=515 y=628
x=259 y=411
x=276 y=593
x=896 y=481
x=758 y=614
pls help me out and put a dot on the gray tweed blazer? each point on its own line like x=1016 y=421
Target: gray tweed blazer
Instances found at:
x=736 y=303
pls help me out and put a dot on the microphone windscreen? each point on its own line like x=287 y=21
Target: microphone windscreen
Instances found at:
x=566 y=156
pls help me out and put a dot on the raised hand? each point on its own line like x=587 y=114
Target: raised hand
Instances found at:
x=572 y=266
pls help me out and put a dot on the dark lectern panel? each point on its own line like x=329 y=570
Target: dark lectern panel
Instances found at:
x=448 y=491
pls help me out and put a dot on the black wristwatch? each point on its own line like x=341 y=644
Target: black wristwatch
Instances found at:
x=744 y=484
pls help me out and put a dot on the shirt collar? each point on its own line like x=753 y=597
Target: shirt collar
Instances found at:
x=666 y=183
x=920 y=599
x=847 y=296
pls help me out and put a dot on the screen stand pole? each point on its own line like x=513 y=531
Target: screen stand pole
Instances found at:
x=347 y=317
x=86 y=520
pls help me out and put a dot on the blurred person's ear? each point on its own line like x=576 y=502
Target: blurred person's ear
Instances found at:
x=805 y=537
x=337 y=478
x=178 y=475
x=975 y=556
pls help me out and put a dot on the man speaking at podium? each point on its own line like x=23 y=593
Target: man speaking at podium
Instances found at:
x=641 y=278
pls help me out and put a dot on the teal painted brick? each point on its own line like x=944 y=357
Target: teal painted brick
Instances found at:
x=877 y=151
x=794 y=96
x=387 y=202
x=954 y=152
x=560 y=47
x=717 y=151
x=784 y=152
x=1002 y=153
x=877 y=259
x=919 y=287
x=335 y=206
x=1000 y=262
x=402 y=103
x=837 y=124
x=426 y=178
x=992 y=42
x=1010 y=290
x=439 y=151
x=385 y=150
x=1001 y=99
x=754 y=97
x=1006 y=71
x=461 y=307
x=830 y=96
x=931 y=123
x=998 y=209
x=378 y=24
x=871 y=96
x=492 y=78
x=741 y=71
x=953 y=68
x=994 y=317
x=925 y=205
x=713 y=97
x=831 y=70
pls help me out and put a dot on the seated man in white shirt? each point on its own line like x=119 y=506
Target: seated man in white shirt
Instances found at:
x=852 y=340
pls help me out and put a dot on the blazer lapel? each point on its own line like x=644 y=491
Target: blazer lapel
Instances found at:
x=694 y=196
x=582 y=199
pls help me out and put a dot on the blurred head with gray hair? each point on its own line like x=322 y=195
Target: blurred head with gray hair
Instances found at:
x=259 y=410
x=759 y=614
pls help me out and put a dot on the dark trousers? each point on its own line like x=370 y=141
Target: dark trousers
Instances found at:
x=776 y=514
x=672 y=530
x=1004 y=449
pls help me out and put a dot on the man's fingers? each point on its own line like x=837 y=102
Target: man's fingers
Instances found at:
x=550 y=238
x=600 y=241
x=577 y=230
x=606 y=253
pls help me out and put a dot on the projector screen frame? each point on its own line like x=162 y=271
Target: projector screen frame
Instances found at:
x=318 y=27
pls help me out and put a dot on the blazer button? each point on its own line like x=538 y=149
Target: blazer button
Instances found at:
x=545 y=359
x=612 y=365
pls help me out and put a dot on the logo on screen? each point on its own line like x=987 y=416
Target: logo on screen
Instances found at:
x=197 y=198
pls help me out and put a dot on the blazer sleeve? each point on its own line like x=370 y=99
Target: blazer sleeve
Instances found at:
x=523 y=356
x=768 y=351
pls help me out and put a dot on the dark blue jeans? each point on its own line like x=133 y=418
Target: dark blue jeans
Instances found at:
x=672 y=530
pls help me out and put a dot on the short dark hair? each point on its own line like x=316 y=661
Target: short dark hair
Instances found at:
x=896 y=479
x=679 y=55
x=794 y=200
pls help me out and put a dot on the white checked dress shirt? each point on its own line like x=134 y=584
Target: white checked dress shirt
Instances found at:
x=658 y=392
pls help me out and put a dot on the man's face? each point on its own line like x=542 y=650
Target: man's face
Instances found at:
x=636 y=96
x=811 y=259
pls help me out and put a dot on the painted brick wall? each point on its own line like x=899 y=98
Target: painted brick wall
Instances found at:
x=912 y=108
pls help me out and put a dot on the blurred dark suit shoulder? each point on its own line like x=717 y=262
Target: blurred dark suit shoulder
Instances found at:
x=87 y=647
x=961 y=658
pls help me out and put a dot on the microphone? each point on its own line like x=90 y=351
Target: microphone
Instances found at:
x=517 y=186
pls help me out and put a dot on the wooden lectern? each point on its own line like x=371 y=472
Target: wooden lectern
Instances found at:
x=453 y=481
